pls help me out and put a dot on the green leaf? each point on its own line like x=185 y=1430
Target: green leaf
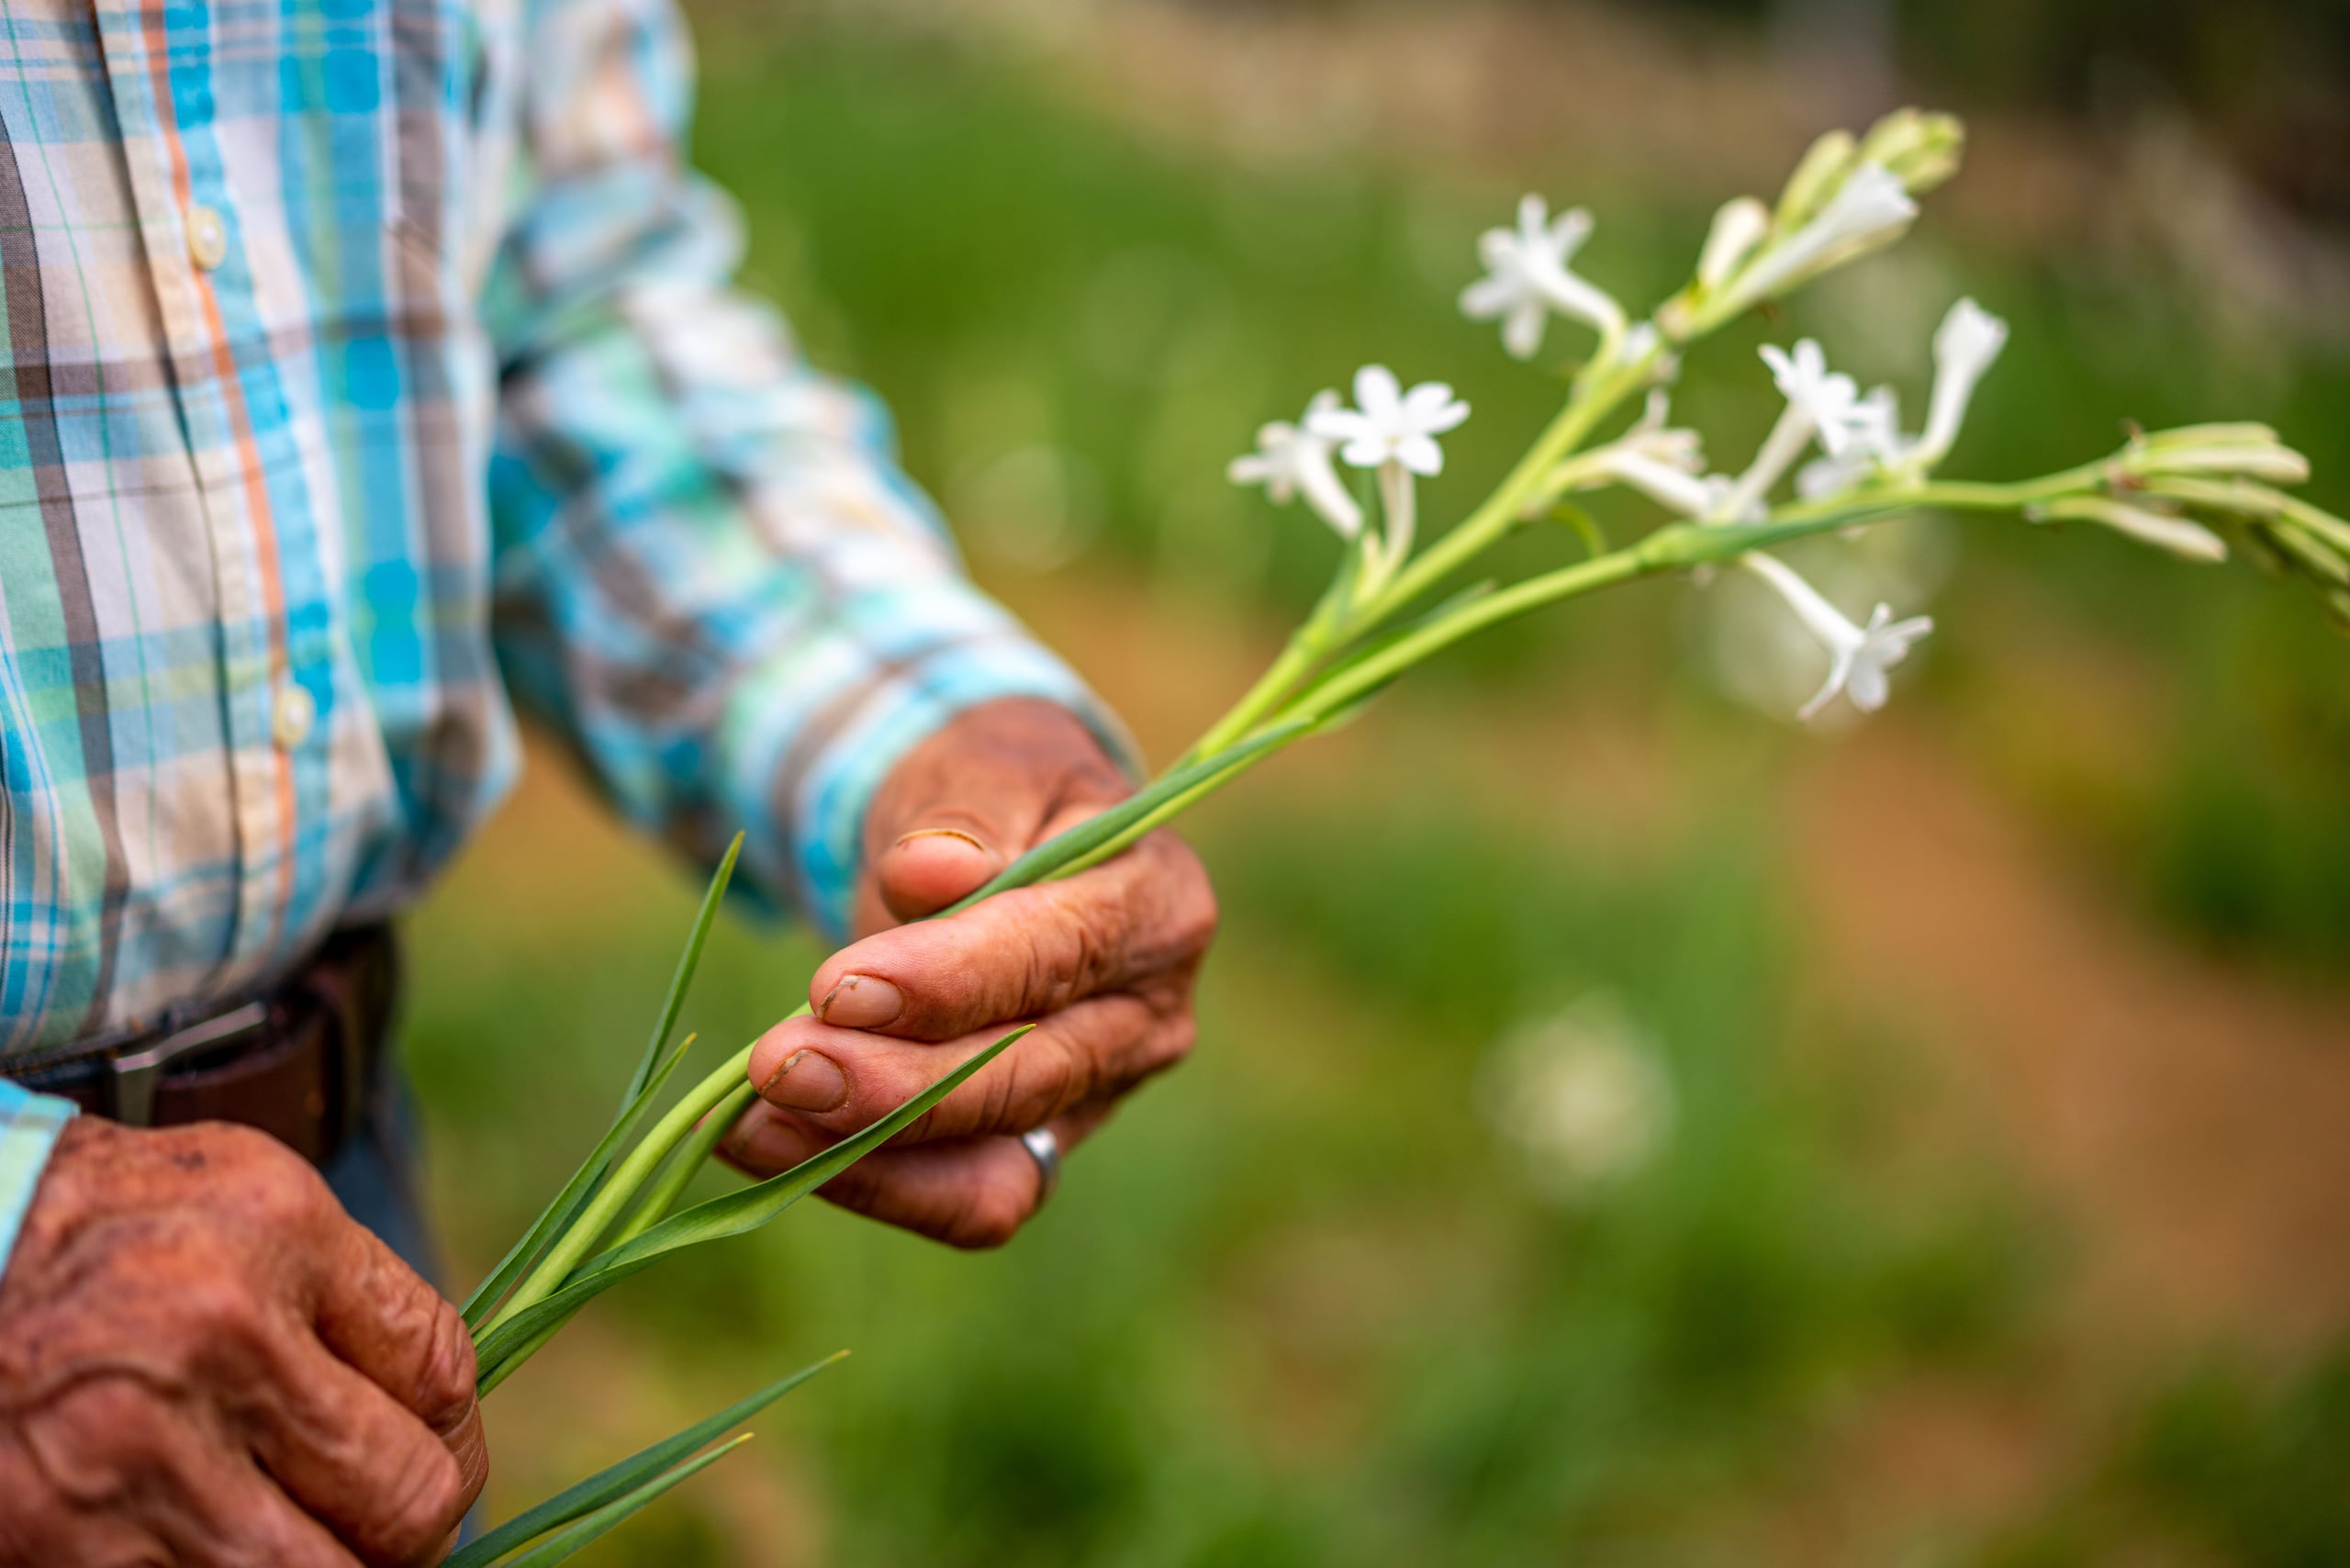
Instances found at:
x=662 y=1195
x=558 y=1215
x=1373 y=647
x=731 y=1215
x=683 y=980
x=564 y=1546
x=1092 y=834
x=608 y=1485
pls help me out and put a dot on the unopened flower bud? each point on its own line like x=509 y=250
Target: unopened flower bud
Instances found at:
x=1822 y=171
x=2180 y=536
x=1739 y=227
x=1922 y=148
x=2241 y=451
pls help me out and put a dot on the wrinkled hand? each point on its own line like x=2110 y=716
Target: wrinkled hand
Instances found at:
x=1102 y=961
x=204 y=1361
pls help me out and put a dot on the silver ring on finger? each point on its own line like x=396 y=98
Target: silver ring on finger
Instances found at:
x=1044 y=1147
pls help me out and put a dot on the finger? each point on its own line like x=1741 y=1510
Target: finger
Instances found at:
x=369 y=1468
x=974 y=1193
x=239 y=1519
x=381 y=1316
x=135 y=1476
x=205 y=1502
x=958 y=809
x=1028 y=952
x=845 y=1080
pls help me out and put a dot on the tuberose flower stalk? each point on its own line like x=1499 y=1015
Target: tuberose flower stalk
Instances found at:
x=2187 y=492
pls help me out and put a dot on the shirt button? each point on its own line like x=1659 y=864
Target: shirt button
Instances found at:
x=292 y=715
x=207 y=236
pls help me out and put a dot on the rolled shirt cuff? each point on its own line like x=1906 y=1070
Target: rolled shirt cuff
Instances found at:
x=29 y=1123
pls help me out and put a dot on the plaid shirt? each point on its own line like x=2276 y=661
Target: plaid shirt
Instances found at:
x=373 y=359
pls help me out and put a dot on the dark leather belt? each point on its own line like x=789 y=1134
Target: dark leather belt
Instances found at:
x=297 y=1062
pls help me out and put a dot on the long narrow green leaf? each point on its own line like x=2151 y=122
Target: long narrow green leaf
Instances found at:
x=1372 y=647
x=662 y=1195
x=558 y=1215
x=731 y=1215
x=683 y=979
x=1095 y=831
x=569 y=1543
x=607 y=1485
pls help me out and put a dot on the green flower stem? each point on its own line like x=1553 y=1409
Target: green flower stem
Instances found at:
x=1357 y=681
x=662 y=1195
x=572 y=1246
x=1501 y=512
x=1505 y=508
x=657 y=1169
x=1271 y=689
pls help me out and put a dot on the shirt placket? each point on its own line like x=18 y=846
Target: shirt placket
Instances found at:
x=180 y=194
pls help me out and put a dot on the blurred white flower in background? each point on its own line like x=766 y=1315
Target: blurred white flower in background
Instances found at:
x=1859 y=656
x=1739 y=227
x=1292 y=460
x=1969 y=339
x=1583 y=1098
x=1527 y=278
x=1872 y=207
x=1824 y=399
x=1389 y=424
x=1393 y=432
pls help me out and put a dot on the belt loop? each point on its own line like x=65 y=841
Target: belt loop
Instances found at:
x=351 y=983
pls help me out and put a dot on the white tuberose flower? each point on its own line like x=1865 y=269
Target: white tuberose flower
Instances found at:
x=1828 y=400
x=1389 y=424
x=1969 y=339
x=1290 y=460
x=1527 y=278
x=1860 y=654
x=1872 y=207
x=1821 y=404
x=1877 y=442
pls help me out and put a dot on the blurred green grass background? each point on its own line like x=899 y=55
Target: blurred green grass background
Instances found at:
x=1302 y=1304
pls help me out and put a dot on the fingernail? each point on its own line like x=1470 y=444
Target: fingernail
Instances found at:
x=766 y=1147
x=944 y=832
x=861 y=1002
x=809 y=1080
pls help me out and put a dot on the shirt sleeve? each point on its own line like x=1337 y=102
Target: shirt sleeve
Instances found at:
x=29 y=1123
x=711 y=574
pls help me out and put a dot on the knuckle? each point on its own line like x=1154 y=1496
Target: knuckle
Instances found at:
x=991 y=1217
x=99 y=1443
x=216 y=1313
x=1074 y=1075
x=423 y=1499
x=1176 y=1037
x=445 y=1382
x=439 y=1360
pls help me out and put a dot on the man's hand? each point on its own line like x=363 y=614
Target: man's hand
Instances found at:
x=205 y=1362
x=1105 y=962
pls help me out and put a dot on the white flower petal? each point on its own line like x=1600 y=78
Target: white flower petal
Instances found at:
x=1421 y=455
x=1497 y=296
x=1865 y=684
x=1377 y=392
x=1522 y=329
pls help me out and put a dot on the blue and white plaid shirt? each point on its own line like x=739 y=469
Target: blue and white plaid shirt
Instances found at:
x=373 y=359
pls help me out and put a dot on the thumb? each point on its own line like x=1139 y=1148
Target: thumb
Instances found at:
x=969 y=800
x=972 y=797
x=931 y=866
